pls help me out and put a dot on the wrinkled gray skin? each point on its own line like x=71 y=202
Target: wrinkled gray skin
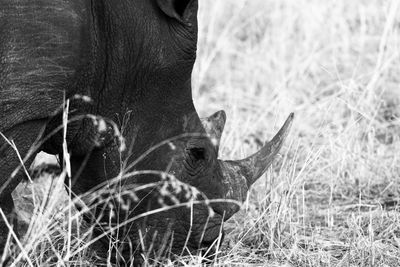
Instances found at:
x=134 y=60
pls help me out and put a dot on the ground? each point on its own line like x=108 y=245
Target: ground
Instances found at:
x=332 y=197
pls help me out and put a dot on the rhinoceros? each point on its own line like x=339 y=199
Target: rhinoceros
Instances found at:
x=133 y=60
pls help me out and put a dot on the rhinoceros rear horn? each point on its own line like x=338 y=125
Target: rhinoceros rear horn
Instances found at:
x=182 y=10
x=214 y=126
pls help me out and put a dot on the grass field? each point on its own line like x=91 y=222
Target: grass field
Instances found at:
x=332 y=197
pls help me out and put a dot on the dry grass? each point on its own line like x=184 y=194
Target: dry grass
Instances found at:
x=331 y=199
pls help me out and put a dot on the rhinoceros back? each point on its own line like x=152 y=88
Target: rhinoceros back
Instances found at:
x=42 y=45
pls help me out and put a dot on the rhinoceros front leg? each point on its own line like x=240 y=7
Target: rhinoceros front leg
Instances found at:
x=7 y=206
x=88 y=171
x=23 y=137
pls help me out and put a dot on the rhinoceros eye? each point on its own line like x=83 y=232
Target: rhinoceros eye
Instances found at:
x=196 y=161
x=198 y=153
x=178 y=9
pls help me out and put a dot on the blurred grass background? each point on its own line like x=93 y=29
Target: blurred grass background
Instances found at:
x=331 y=199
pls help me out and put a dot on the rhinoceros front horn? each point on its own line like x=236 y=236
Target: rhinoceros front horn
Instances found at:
x=239 y=175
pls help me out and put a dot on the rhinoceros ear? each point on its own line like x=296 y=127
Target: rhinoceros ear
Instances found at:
x=182 y=10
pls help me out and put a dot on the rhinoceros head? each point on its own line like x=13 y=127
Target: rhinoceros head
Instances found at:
x=182 y=208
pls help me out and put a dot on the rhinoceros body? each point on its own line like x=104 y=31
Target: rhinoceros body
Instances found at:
x=133 y=60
